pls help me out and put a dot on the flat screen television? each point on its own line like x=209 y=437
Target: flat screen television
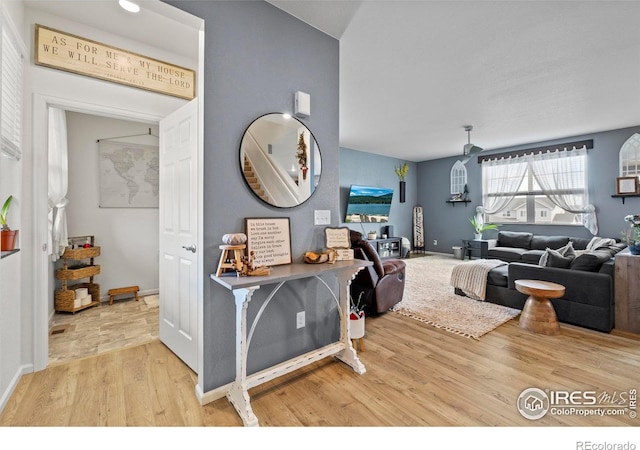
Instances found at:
x=367 y=204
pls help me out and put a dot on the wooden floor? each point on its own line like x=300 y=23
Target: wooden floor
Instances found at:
x=103 y=328
x=417 y=376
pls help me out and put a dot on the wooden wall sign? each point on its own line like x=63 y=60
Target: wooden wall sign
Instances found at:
x=270 y=239
x=64 y=51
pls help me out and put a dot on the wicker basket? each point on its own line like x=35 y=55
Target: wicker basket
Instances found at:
x=81 y=253
x=64 y=300
x=76 y=274
x=65 y=297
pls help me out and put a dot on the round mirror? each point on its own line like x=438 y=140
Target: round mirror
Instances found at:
x=280 y=160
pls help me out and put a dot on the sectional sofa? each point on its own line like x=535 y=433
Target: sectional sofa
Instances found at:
x=587 y=272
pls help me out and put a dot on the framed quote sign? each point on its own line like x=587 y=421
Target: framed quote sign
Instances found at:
x=64 y=51
x=270 y=240
x=337 y=237
x=627 y=185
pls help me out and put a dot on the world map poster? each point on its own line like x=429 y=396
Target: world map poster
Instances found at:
x=129 y=175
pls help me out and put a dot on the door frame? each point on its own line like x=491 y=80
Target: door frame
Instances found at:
x=40 y=206
x=39 y=188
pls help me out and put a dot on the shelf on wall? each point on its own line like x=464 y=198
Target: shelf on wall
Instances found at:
x=623 y=196
x=6 y=253
x=453 y=202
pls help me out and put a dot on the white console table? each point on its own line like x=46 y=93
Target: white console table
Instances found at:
x=244 y=287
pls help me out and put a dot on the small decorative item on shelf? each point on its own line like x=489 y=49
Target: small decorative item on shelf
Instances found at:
x=479 y=227
x=401 y=171
x=372 y=235
x=9 y=236
x=328 y=256
x=247 y=267
x=632 y=236
x=234 y=239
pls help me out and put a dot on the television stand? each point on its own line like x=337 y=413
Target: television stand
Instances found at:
x=388 y=248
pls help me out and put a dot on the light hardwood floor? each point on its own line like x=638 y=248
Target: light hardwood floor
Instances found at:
x=417 y=376
x=102 y=328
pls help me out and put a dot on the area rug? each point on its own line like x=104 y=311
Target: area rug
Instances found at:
x=429 y=298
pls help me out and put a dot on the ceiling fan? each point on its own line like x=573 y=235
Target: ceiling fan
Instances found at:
x=469 y=149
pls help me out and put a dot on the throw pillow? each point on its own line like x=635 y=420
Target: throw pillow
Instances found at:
x=566 y=251
x=591 y=261
x=556 y=259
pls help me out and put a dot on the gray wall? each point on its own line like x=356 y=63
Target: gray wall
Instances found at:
x=448 y=224
x=368 y=169
x=256 y=58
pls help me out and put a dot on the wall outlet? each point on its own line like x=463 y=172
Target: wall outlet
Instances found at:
x=435 y=242
x=300 y=320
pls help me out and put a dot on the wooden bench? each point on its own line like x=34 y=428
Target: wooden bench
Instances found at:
x=123 y=291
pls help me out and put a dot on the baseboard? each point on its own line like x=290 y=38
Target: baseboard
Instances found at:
x=6 y=395
x=213 y=395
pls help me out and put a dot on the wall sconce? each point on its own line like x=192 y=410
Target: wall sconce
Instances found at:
x=302 y=104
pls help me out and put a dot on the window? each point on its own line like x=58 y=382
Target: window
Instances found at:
x=630 y=157
x=544 y=188
x=11 y=88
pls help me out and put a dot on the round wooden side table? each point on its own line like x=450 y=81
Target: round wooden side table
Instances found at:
x=538 y=314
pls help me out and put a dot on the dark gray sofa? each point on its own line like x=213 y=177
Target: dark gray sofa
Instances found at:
x=589 y=279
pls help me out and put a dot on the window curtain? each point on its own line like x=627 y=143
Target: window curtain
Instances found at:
x=58 y=183
x=501 y=179
x=559 y=174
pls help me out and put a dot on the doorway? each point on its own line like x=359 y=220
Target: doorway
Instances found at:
x=127 y=235
x=73 y=93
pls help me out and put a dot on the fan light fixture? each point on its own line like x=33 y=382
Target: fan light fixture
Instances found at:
x=469 y=149
x=129 y=6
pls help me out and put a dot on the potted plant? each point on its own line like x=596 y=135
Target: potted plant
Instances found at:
x=401 y=171
x=8 y=235
x=479 y=227
x=632 y=236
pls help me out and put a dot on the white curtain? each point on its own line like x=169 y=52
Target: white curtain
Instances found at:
x=58 y=183
x=501 y=179
x=560 y=174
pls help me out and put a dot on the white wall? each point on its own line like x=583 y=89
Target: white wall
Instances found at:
x=128 y=237
x=26 y=302
x=11 y=305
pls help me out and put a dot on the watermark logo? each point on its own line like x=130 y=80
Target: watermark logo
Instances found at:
x=534 y=403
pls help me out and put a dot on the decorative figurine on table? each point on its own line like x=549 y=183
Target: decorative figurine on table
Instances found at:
x=246 y=267
x=329 y=255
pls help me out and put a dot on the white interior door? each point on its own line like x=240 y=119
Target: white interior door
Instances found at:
x=179 y=233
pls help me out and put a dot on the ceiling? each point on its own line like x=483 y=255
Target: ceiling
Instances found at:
x=413 y=73
x=179 y=30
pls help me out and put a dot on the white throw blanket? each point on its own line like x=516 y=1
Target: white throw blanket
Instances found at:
x=598 y=242
x=471 y=277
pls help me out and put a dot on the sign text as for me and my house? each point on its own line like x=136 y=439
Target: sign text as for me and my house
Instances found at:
x=71 y=53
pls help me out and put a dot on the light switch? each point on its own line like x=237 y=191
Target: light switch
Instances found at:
x=322 y=217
